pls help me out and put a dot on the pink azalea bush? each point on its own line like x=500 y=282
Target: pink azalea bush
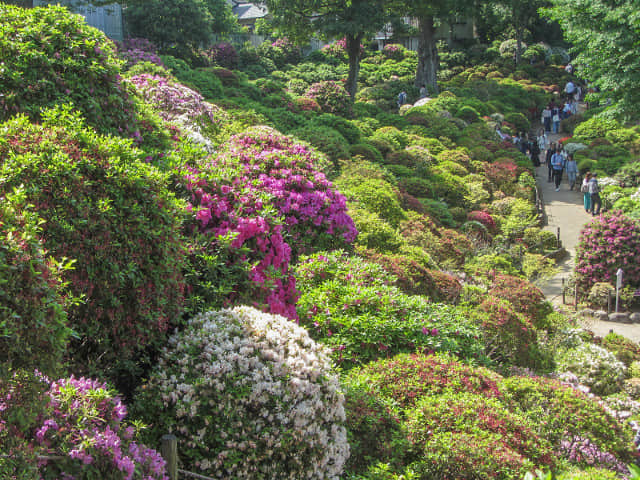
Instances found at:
x=609 y=242
x=331 y=96
x=136 y=50
x=265 y=192
x=484 y=218
x=223 y=54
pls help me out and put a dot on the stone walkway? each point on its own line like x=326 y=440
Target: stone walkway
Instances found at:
x=565 y=210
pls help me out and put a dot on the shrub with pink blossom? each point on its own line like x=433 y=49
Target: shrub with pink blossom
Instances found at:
x=281 y=52
x=83 y=423
x=264 y=191
x=136 y=50
x=609 y=242
x=338 y=49
x=223 y=54
x=484 y=218
x=394 y=51
x=331 y=96
x=249 y=395
x=582 y=451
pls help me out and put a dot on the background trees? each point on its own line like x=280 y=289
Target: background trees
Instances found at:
x=605 y=35
x=353 y=19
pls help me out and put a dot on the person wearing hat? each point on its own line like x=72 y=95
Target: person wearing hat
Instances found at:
x=594 y=193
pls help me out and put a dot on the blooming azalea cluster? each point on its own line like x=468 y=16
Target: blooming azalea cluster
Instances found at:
x=249 y=395
x=582 y=451
x=84 y=424
x=264 y=191
x=136 y=50
x=611 y=241
x=484 y=218
x=331 y=96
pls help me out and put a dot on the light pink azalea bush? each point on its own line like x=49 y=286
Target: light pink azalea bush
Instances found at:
x=250 y=395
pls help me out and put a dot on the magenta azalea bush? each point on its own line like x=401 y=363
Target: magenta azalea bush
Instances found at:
x=264 y=191
x=611 y=241
x=331 y=96
x=484 y=218
x=84 y=423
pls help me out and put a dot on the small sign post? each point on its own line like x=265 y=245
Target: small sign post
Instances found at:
x=619 y=275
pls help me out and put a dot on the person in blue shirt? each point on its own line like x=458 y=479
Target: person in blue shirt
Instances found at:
x=557 y=164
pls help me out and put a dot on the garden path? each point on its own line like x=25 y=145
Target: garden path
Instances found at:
x=565 y=210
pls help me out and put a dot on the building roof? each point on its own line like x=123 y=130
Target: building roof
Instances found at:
x=249 y=11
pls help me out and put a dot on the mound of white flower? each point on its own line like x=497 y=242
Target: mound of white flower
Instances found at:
x=250 y=395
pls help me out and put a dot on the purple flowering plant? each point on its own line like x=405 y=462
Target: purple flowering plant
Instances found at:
x=136 y=50
x=83 y=422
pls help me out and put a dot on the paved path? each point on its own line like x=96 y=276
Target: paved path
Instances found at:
x=565 y=209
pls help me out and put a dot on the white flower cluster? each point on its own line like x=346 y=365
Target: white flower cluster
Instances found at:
x=594 y=367
x=255 y=398
x=573 y=147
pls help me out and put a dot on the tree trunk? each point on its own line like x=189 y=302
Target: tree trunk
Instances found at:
x=519 y=35
x=354 y=53
x=427 y=73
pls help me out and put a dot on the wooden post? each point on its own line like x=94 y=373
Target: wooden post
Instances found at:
x=558 y=238
x=608 y=301
x=563 y=294
x=169 y=451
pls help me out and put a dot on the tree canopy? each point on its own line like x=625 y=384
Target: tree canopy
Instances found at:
x=352 y=19
x=605 y=35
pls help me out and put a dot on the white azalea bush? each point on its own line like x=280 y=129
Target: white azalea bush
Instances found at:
x=249 y=395
x=594 y=366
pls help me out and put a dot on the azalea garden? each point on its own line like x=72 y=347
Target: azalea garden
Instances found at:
x=298 y=282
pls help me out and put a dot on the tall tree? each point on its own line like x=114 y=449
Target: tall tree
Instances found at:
x=522 y=14
x=606 y=36
x=428 y=13
x=354 y=20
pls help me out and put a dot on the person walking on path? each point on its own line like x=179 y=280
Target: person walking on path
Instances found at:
x=550 y=151
x=594 y=192
x=555 y=118
x=585 y=192
x=557 y=164
x=546 y=118
x=572 y=171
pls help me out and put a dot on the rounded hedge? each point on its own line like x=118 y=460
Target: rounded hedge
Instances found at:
x=112 y=215
x=248 y=395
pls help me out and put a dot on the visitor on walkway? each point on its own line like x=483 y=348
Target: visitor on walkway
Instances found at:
x=402 y=98
x=543 y=140
x=534 y=151
x=572 y=171
x=550 y=151
x=546 y=118
x=570 y=89
x=555 y=119
x=594 y=192
x=557 y=163
x=423 y=91
x=585 y=192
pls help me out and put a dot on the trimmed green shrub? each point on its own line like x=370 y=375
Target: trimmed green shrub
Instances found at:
x=625 y=350
x=49 y=57
x=325 y=139
x=111 y=214
x=33 y=321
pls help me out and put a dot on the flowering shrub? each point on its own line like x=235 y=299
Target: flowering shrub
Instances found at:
x=560 y=412
x=136 y=50
x=259 y=189
x=394 y=51
x=83 y=423
x=406 y=378
x=338 y=49
x=625 y=350
x=331 y=96
x=582 y=451
x=241 y=388
x=307 y=104
x=475 y=414
x=484 y=218
x=509 y=335
x=525 y=297
x=609 y=242
x=363 y=321
x=223 y=54
x=281 y=52
x=32 y=317
x=113 y=215
x=64 y=61
x=477 y=455
x=594 y=366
